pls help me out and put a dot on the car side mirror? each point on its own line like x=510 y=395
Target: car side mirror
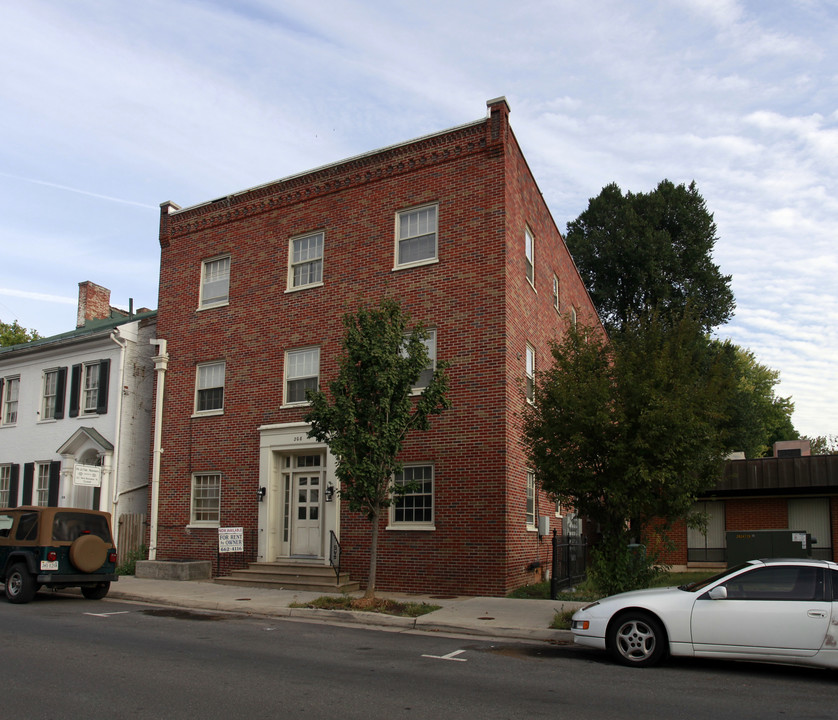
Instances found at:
x=718 y=593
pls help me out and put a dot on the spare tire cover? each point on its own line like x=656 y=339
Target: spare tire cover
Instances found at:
x=88 y=553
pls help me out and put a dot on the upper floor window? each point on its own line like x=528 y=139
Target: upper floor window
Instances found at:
x=573 y=317
x=416 y=236
x=88 y=389
x=215 y=282
x=306 y=261
x=11 y=389
x=206 y=499
x=416 y=505
x=50 y=395
x=556 y=303
x=209 y=388
x=428 y=373
x=530 y=373
x=529 y=255
x=302 y=372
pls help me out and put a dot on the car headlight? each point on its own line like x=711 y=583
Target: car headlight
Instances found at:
x=580 y=625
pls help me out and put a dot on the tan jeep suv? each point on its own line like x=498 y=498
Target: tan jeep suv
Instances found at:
x=56 y=548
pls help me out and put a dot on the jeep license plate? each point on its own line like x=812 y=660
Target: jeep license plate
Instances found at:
x=49 y=564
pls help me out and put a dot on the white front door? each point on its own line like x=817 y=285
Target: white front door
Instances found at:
x=307 y=499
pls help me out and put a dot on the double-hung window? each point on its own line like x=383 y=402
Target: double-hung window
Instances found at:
x=306 y=261
x=90 y=388
x=206 y=499
x=11 y=390
x=215 y=282
x=48 y=402
x=531 y=499
x=416 y=236
x=42 y=488
x=414 y=507
x=530 y=374
x=428 y=373
x=529 y=252
x=302 y=372
x=5 y=484
x=209 y=388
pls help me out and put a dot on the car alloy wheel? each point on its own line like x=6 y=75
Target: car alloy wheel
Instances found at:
x=637 y=639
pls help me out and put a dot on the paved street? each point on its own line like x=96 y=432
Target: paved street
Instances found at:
x=77 y=658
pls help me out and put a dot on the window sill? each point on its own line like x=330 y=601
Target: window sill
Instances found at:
x=304 y=287
x=418 y=263
x=213 y=306
x=288 y=406
x=208 y=526
x=208 y=413
x=411 y=528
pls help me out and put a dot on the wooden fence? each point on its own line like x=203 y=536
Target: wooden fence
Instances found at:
x=132 y=529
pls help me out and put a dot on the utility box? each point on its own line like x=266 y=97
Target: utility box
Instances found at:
x=744 y=545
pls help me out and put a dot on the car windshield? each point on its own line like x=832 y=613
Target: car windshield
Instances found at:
x=701 y=584
x=67 y=526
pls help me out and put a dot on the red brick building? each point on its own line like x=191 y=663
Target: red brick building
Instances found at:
x=253 y=287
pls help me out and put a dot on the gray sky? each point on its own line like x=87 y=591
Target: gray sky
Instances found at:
x=108 y=108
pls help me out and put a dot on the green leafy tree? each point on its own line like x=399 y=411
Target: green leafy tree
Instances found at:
x=824 y=444
x=756 y=416
x=14 y=334
x=372 y=408
x=626 y=432
x=643 y=252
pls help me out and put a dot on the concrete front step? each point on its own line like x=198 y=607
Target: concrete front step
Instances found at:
x=290 y=576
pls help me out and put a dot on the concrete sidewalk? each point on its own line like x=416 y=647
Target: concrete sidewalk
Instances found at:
x=485 y=616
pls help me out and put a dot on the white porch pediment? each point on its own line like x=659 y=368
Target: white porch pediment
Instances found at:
x=83 y=439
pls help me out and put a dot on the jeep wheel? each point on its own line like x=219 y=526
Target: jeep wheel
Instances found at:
x=88 y=553
x=20 y=585
x=97 y=592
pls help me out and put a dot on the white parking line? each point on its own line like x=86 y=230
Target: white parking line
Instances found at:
x=104 y=615
x=449 y=656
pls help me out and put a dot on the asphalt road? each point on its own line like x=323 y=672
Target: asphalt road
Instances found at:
x=66 y=657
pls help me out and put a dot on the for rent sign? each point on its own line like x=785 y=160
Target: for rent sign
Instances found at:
x=230 y=540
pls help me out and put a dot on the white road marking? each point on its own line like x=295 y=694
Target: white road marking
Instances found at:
x=104 y=615
x=449 y=656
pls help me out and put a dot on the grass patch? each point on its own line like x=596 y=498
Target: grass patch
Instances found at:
x=561 y=620
x=375 y=605
x=584 y=593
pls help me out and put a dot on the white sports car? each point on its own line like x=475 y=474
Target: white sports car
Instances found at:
x=768 y=610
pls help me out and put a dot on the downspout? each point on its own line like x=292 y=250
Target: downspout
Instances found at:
x=161 y=363
x=117 y=429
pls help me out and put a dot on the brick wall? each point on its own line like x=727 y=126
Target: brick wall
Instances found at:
x=476 y=297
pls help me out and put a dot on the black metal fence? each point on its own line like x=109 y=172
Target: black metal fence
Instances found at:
x=570 y=561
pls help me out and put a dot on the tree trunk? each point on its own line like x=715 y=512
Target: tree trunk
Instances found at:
x=370 y=591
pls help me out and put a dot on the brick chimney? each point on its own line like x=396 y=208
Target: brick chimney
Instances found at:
x=94 y=303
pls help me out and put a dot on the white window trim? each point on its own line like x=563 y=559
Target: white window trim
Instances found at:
x=4 y=401
x=42 y=416
x=203 y=523
x=415 y=263
x=557 y=300
x=216 y=411
x=40 y=489
x=529 y=376
x=531 y=483
x=6 y=484
x=219 y=303
x=419 y=389
x=90 y=369
x=285 y=378
x=392 y=524
x=289 y=285
x=529 y=258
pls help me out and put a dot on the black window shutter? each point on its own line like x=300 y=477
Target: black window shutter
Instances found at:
x=54 y=482
x=14 y=485
x=104 y=377
x=75 y=390
x=60 y=391
x=28 y=478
